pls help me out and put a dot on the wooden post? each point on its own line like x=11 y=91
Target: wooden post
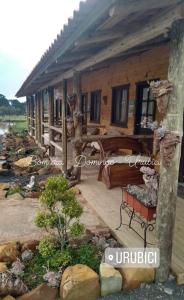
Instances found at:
x=36 y=117
x=77 y=117
x=64 y=131
x=42 y=118
x=39 y=118
x=31 y=115
x=51 y=120
x=167 y=196
x=28 y=112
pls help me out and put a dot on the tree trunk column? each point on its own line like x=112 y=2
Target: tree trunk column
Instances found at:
x=77 y=117
x=167 y=196
x=64 y=131
x=51 y=120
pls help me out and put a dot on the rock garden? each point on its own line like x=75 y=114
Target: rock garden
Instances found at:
x=67 y=260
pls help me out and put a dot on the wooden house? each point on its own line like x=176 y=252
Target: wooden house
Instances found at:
x=95 y=75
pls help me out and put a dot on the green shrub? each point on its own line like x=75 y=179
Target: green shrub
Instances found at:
x=59 y=210
x=47 y=246
x=87 y=254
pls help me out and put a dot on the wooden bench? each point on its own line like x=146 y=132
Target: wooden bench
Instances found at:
x=120 y=174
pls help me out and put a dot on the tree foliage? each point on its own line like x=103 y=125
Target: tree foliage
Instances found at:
x=11 y=107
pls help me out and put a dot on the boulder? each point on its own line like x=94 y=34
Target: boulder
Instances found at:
x=111 y=280
x=33 y=195
x=8 y=298
x=24 y=163
x=30 y=245
x=11 y=285
x=19 y=140
x=79 y=282
x=9 y=252
x=4 y=186
x=15 y=196
x=133 y=277
x=55 y=171
x=2 y=157
x=42 y=292
x=44 y=171
x=2 y=194
x=3 y=267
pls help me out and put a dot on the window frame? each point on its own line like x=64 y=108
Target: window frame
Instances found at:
x=114 y=122
x=97 y=121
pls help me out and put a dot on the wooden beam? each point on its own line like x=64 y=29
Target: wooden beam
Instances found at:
x=55 y=145
x=97 y=38
x=166 y=208
x=64 y=129
x=149 y=31
x=123 y=9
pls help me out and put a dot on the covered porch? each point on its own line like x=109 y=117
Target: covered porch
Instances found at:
x=106 y=203
x=121 y=49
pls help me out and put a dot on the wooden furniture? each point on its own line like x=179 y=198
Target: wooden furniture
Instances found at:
x=115 y=173
x=138 y=212
x=111 y=145
x=121 y=173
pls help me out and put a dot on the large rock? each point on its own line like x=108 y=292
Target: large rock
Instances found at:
x=30 y=245
x=79 y=282
x=42 y=292
x=24 y=163
x=2 y=157
x=4 y=186
x=11 y=285
x=133 y=277
x=9 y=252
x=15 y=196
x=8 y=298
x=111 y=280
x=3 y=267
x=2 y=194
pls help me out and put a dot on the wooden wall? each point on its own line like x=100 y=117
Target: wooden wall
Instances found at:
x=149 y=65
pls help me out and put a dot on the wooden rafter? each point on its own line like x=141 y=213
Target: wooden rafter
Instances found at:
x=123 y=9
x=154 y=28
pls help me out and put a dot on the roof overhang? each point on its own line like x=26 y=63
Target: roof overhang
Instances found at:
x=101 y=31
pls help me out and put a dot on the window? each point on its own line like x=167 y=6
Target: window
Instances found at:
x=95 y=106
x=145 y=108
x=120 y=105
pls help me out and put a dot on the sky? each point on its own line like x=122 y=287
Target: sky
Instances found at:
x=27 y=28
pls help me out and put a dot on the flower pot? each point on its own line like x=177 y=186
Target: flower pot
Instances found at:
x=125 y=196
x=136 y=205
x=148 y=212
x=130 y=200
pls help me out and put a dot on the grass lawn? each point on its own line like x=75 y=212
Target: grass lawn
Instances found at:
x=19 y=123
x=13 y=118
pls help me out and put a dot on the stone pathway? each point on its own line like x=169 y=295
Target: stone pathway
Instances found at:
x=17 y=219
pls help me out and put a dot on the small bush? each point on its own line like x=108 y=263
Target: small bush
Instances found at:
x=87 y=254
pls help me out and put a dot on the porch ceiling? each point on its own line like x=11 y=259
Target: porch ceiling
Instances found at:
x=99 y=32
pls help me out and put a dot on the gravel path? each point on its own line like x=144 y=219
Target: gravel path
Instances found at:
x=167 y=291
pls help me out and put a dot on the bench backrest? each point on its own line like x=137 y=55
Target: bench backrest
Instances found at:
x=111 y=145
